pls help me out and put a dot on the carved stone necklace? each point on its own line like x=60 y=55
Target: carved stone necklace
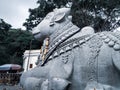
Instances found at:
x=48 y=42
x=67 y=33
x=59 y=31
x=51 y=43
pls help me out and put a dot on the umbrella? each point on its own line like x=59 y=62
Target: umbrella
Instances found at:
x=7 y=67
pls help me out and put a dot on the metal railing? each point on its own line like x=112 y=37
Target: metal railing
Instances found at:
x=9 y=78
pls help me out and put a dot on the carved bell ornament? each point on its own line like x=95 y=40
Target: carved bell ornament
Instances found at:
x=44 y=49
x=47 y=41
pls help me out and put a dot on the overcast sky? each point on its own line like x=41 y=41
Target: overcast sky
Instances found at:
x=15 y=12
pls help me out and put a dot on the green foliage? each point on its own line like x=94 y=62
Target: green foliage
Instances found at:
x=100 y=14
x=44 y=7
x=103 y=15
x=4 y=27
x=37 y=14
x=13 y=43
x=19 y=41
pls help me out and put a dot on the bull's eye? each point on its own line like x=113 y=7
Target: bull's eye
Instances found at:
x=51 y=23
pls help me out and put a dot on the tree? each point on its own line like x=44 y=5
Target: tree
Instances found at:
x=4 y=27
x=13 y=43
x=19 y=41
x=102 y=15
x=37 y=14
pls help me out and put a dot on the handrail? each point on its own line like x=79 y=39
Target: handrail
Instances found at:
x=10 y=78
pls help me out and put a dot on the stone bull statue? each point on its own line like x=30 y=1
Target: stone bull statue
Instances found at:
x=75 y=59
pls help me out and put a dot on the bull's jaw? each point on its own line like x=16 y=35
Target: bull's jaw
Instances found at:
x=41 y=35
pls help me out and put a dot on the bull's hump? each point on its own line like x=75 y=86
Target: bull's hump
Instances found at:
x=112 y=39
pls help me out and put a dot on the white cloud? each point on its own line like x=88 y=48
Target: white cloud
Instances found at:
x=15 y=12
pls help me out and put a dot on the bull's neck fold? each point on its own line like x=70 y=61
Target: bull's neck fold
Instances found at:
x=68 y=31
x=61 y=32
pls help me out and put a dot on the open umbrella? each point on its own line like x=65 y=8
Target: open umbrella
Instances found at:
x=7 y=67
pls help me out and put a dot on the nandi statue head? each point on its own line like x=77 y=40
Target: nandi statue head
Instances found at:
x=51 y=23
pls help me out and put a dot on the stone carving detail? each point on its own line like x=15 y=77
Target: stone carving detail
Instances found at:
x=67 y=46
x=112 y=40
x=94 y=44
x=65 y=59
x=76 y=59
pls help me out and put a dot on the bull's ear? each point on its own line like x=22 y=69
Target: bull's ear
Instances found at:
x=59 y=17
